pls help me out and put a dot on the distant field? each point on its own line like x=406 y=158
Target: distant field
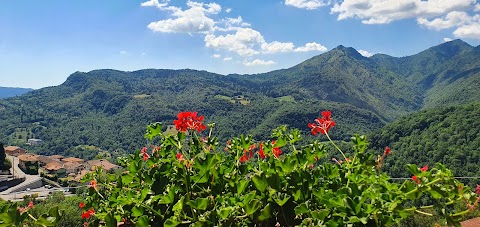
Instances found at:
x=287 y=98
x=240 y=99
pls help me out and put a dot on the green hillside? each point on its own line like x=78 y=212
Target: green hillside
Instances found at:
x=109 y=109
x=447 y=135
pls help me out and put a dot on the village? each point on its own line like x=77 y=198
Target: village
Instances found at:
x=30 y=171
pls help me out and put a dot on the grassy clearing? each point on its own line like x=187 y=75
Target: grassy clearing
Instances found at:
x=287 y=98
x=142 y=96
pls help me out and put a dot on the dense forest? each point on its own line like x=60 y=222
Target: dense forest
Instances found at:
x=107 y=110
x=448 y=135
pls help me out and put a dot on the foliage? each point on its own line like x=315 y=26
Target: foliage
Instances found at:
x=448 y=135
x=190 y=180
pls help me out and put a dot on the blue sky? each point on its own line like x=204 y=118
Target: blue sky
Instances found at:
x=42 y=42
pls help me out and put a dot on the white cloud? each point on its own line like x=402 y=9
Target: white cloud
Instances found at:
x=123 y=52
x=477 y=7
x=228 y=10
x=275 y=47
x=243 y=42
x=258 y=62
x=466 y=26
x=386 y=11
x=192 y=20
x=311 y=47
x=306 y=4
x=468 y=31
x=227 y=58
x=447 y=39
x=216 y=56
x=365 y=53
x=231 y=24
x=452 y=19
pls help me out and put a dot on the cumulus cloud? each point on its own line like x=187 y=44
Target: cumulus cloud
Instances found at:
x=231 y=24
x=216 y=56
x=447 y=40
x=477 y=7
x=258 y=62
x=452 y=19
x=123 y=52
x=275 y=47
x=386 y=11
x=365 y=53
x=306 y=4
x=227 y=58
x=311 y=47
x=228 y=10
x=243 y=42
x=466 y=26
x=192 y=20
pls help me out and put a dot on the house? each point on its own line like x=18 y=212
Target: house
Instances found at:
x=55 y=168
x=34 y=141
x=73 y=167
x=15 y=151
x=56 y=157
x=28 y=163
x=105 y=164
x=72 y=159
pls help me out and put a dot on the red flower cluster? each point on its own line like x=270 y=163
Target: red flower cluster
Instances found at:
x=87 y=214
x=247 y=155
x=261 y=153
x=189 y=121
x=180 y=158
x=145 y=154
x=322 y=124
x=81 y=205
x=276 y=150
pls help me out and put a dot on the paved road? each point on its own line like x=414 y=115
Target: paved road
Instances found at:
x=18 y=173
x=41 y=193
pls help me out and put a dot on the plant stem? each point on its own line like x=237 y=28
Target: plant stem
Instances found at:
x=335 y=145
x=424 y=213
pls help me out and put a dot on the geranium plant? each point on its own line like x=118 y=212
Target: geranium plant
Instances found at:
x=188 y=179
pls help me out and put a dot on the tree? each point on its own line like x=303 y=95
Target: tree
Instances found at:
x=2 y=155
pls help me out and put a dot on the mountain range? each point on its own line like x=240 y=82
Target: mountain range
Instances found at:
x=6 y=92
x=108 y=109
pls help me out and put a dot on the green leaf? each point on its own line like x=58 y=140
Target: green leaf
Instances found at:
x=260 y=182
x=320 y=214
x=301 y=209
x=252 y=206
x=281 y=198
x=179 y=205
x=142 y=222
x=225 y=212
x=127 y=179
x=171 y=222
x=199 y=204
x=241 y=185
x=137 y=211
x=153 y=130
x=265 y=213
x=110 y=221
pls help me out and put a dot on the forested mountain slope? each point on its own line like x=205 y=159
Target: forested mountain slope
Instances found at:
x=448 y=135
x=109 y=109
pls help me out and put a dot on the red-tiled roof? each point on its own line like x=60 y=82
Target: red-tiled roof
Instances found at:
x=53 y=166
x=11 y=148
x=28 y=158
x=474 y=222
x=72 y=159
x=56 y=157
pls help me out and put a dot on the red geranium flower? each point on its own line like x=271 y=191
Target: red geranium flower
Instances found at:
x=88 y=214
x=322 y=124
x=189 y=121
x=415 y=179
x=179 y=157
x=145 y=154
x=424 y=169
x=243 y=158
x=477 y=190
x=276 y=150
x=387 y=151
x=30 y=205
x=93 y=184
x=81 y=205
x=261 y=153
